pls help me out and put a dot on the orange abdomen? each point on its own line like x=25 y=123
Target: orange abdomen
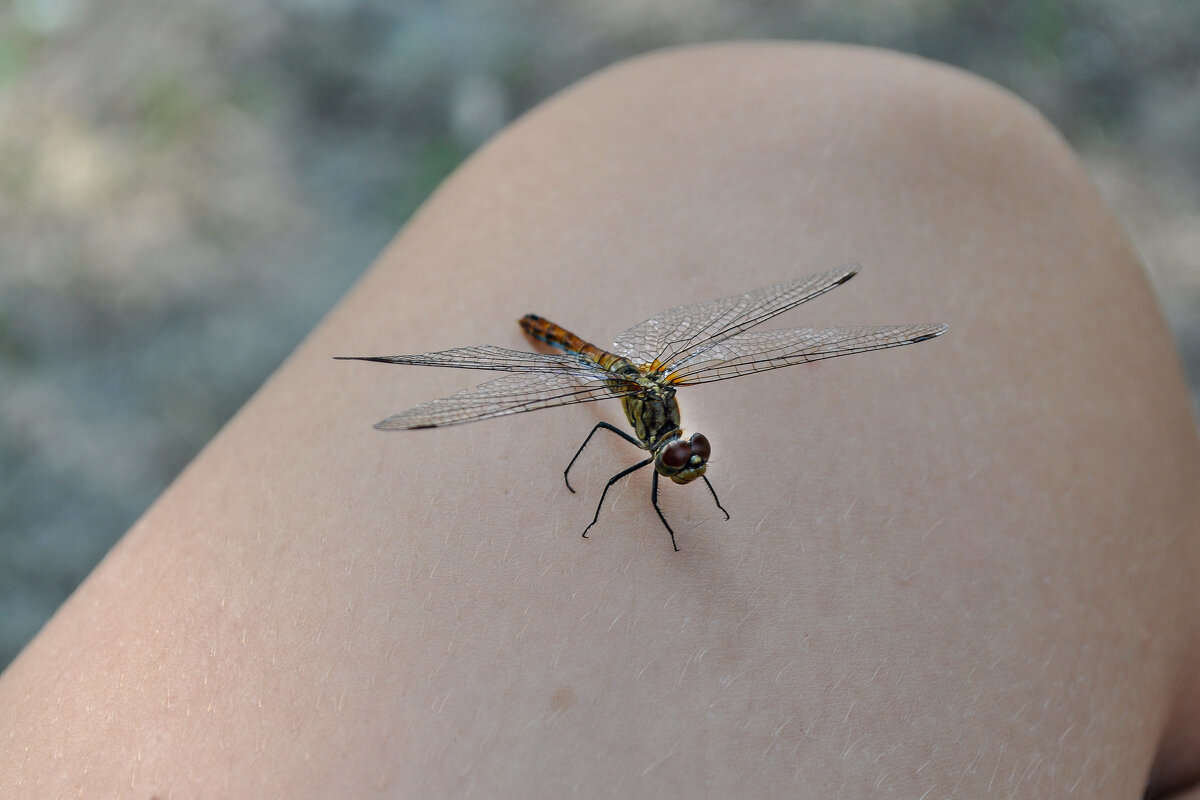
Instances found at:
x=557 y=336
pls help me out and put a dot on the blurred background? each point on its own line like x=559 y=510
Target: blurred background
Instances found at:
x=186 y=186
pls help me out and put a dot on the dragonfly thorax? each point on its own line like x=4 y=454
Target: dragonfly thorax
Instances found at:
x=683 y=461
x=654 y=415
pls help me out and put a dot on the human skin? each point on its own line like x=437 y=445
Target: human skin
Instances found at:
x=963 y=568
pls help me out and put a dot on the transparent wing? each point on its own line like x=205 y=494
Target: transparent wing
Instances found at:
x=511 y=394
x=673 y=335
x=487 y=356
x=758 y=351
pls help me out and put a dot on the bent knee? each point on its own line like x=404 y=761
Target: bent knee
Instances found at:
x=843 y=106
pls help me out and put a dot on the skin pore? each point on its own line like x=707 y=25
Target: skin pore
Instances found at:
x=961 y=569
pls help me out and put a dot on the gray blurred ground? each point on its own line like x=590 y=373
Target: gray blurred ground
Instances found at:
x=185 y=188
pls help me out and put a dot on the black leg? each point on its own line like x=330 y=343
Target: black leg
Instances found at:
x=654 y=502
x=714 y=494
x=609 y=485
x=606 y=427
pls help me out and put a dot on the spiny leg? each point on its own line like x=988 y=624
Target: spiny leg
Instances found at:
x=579 y=452
x=609 y=485
x=714 y=494
x=654 y=502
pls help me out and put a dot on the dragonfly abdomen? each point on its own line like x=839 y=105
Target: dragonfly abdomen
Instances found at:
x=557 y=336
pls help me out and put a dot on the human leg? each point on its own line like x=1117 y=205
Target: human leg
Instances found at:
x=960 y=568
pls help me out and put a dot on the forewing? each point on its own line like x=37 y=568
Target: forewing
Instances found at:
x=757 y=351
x=673 y=335
x=485 y=357
x=511 y=394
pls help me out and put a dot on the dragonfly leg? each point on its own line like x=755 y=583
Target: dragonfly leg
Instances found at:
x=654 y=502
x=714 y=494
x=606 y=426
x=609 y=485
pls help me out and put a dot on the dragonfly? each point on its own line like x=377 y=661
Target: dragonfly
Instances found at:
x=685 y=346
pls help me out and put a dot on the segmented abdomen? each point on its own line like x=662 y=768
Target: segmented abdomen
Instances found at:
x=557 y=336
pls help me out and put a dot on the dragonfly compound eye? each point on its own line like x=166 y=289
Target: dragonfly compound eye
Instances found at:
x=700 y=446
x=676 y=454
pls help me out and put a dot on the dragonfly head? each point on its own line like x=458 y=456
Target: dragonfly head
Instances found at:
x=683 y=461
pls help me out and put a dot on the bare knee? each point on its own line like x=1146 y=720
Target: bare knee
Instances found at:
x=798 y=147
x=1063 y=427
